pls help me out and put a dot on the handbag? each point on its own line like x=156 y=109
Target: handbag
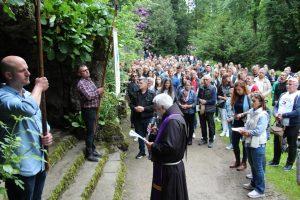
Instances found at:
x=277 y=129
x=202 y=109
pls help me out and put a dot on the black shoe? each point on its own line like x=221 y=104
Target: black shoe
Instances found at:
x=210 y=145
x=96 y=154
x=288 y=167
x=140 y=155
x=92 y=158
x=190 y=142
x=273 y=164
x=202 y=142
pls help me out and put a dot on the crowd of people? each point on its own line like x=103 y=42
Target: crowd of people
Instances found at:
x=234 y=95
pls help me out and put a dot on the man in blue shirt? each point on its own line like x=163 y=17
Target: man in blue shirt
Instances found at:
x=15 y=100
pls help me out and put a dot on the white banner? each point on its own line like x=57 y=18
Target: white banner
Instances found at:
x=116 y=59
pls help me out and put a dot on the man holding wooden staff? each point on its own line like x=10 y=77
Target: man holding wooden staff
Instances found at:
x=15 y=100
x=89 y=102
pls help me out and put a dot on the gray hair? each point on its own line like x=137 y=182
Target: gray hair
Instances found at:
x=295 y=80
x=163 y=100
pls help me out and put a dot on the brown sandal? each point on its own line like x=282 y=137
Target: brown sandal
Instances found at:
x=242 y=167
x=235 y=165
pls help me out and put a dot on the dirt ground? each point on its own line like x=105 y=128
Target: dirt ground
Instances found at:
x=207 y=171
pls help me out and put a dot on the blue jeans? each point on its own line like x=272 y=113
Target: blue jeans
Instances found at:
x=256 y=159
x=230 y=131
x=141 y=128
x=89 y=118
x=33 y=187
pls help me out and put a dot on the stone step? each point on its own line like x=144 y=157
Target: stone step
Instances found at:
x=105 y=188
x=82 y=179
x=56 y=173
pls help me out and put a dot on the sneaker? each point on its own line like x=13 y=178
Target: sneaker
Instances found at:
x=222 y=134
x=210 y=145
x=92 y=158
x=273 y=164
x=248 y=186
x=229 y=147
x=140 y=155
x=249 y=176
x=202 y=142
x=96 y=154
x=288 y=167
x=255 y=195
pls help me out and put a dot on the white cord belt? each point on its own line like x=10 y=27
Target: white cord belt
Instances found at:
x=170 y=164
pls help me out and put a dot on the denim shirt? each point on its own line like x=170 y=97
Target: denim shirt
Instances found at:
x=28 y=129
x=191 y=101
x=228 y=108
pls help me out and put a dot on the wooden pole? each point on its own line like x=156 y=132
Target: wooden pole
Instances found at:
x=104 y=64
x=41 y=74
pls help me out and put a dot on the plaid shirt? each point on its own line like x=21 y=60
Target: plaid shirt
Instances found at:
x=89 y=97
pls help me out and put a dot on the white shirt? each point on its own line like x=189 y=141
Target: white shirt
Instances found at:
x=286 y=104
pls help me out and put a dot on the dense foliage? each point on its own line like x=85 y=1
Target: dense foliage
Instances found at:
x=248 y=32
x=73 y=26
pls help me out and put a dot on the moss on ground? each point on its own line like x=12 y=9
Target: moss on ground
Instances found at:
x=88 y=190
x=119 y=188
x=68 y=178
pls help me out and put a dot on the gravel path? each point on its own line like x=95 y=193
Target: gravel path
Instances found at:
x=207 y=170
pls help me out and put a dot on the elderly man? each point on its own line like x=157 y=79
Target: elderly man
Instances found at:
x=207 y=96
x=141 y=106
x=89 y=101
x=255 y=70
x=263 y=83
x=287 y=113
x=15 y=100
x=169 y=180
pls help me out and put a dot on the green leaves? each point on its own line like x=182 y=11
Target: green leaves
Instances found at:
x=8 y=4
x=8 y=169
x=71 y=27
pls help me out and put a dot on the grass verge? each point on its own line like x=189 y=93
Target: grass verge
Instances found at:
x=88 y=190
x=61 y=149
x=68 y=178
x=283 y=182
x=118 y=195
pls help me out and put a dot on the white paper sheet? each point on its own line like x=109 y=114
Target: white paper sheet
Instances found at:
x=238 y=129
x=132 y=133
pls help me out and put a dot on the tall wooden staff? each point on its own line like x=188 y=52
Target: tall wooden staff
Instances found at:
x=107 y=54
x=41 y=74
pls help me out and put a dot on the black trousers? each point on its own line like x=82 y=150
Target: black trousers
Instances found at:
x=236 y=137
x=207 y=117
x=89 y=118
x=291 y=133
x=190 y=120
x=141 y=128
x=33 y=187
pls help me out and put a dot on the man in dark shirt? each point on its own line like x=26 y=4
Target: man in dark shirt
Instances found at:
x=207 y=96
x=89 y=101
x=132 y=89
x=142 y=108
x=279 y=87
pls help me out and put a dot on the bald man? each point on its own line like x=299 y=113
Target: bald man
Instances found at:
x=15 y=100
